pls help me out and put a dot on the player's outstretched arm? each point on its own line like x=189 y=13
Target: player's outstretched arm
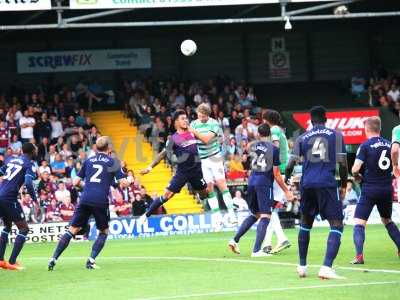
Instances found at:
x=158 y=159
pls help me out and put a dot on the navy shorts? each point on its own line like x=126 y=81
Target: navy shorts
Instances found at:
x=322 y=201
x=11 y=211
x=83 y=213
x=195 y=178
x=260 y=199
x=382 y=198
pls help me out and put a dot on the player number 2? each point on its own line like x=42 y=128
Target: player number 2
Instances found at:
x=11 y=171
x=319 y=149
x=384 y=162
x=95 y=176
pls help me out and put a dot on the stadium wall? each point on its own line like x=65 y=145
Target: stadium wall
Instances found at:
x=167 y=225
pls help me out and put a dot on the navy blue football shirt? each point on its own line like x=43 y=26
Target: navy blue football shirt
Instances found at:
x=377 y=166
x=99 y=173
x=264 y=156
x=319 y=148
x=16 y=171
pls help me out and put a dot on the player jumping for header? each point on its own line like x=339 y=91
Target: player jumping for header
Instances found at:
x=183 y=146
x=208 y=133
x=265 y=168
x=373 y=168
x=321 y=148
x=99 y=173
x=16 y=171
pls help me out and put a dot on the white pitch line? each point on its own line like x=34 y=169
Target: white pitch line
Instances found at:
x=223 y=260
x=255 y=291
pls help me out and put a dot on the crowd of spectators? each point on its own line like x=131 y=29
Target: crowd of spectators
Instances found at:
x=54 y=119
x=382 y=89
x=233 y=104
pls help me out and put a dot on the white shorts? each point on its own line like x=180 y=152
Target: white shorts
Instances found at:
x=279 y=195
x=213 y=168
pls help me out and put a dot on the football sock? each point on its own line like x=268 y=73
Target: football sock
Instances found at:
x=261 y=230
x=62 y=244
x=359 y=238
x=226 y=196
x=98 y=245
x=18 y=244
x=394 y=233
x=303 y=240
x=155 y=205
x=3 y=242
x=333 y=244
x=244 y=227
x=277 y=228
x=214 y=206
x=268 y=235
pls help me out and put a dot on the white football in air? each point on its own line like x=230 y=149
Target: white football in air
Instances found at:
x=188 y=47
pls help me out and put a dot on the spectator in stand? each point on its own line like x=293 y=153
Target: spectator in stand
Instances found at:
x=43 y=128
x=239 y=203
x=3 y=137
x=51 y=155
x=66 y=209
x=16 y=144
x=43 y=149
x=121 y=207
x=62 y=193
x=53 y=212
x=138 y=205
x=351 y=195
x=44 y=167
x=394 y=93
x=26 y=123
x=58 y=166
x=27 y=205
x=56 y=128
x=245 y=131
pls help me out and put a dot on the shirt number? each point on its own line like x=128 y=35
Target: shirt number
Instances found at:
x=259 y=163
x=384 y=162
x=319 y=149
x=95 y=176
x=11 y=171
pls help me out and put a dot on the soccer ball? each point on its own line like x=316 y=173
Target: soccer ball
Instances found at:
x=341 y=10
x=188 y=47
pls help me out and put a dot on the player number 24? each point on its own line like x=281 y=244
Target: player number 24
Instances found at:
x=384 y=162
x=95 y=176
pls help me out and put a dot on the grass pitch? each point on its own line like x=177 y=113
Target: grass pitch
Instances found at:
x=201 y=267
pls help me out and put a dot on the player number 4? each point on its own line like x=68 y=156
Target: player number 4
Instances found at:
x=384 y=161
x=95 y=176
x=319 y=149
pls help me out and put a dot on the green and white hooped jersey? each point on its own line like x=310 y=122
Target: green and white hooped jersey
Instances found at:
x=277 y=134
x=396 y=135
x=214 y=146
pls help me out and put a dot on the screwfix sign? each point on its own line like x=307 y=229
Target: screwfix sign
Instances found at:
x=350 y=123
